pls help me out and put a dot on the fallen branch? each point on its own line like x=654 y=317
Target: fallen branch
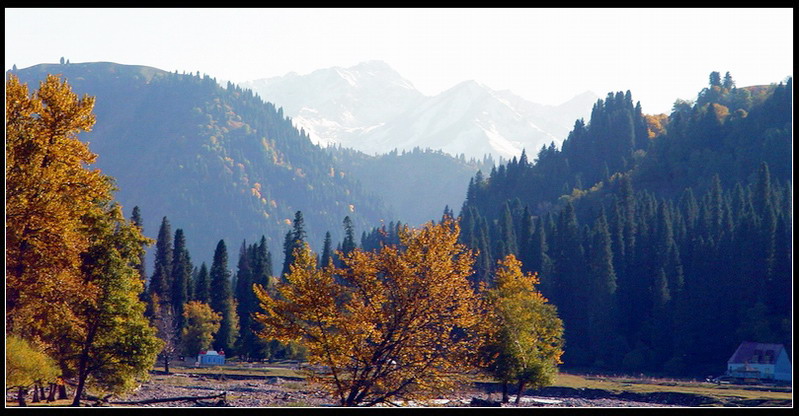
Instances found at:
x=223 y=396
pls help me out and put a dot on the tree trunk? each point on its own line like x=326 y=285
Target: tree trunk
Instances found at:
x=35 y=398
x=79 y=389
x=21 y=397
x=521 y=390
x=505 y=397
x=83 y=364
x=62 y=392
x=51 y=395
x=166 y=363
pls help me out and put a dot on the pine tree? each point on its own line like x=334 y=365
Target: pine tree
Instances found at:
x=160 y=282
x=540 y=262
x=181 y=277
x=327 y=251
x=763 y=201
x=602 y=300
x=137 y=221
x=525 y=239
x=262 y=263
x=202 y=285
x=569 y=292
x=261 y=275
x=288 y=252
x=222 y=299
x=293 y=240
x=349 y=237
x=508 y=235
x=245 y=301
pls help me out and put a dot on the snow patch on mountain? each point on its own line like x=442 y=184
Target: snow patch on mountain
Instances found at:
x=371 y=108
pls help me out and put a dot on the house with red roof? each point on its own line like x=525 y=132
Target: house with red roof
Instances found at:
x=211 y=358
x=756 y=360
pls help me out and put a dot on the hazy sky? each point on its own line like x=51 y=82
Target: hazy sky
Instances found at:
x=544 y=55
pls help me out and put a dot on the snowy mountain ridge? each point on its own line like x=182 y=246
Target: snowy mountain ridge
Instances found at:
x=371 y=108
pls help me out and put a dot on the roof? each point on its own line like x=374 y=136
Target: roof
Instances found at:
x=756 y=353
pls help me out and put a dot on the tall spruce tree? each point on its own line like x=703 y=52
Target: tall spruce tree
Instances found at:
x=540 y=262
x=262 y=263
x=602 y=301
x=349 y=237
x=262 y=275
x=202 y=285
x=161 y=282
x=222 y=299
x=181 y=277
x=137 y=221
x=245 y=300
x=569 y=292
x=294 y=240
x=327 y=251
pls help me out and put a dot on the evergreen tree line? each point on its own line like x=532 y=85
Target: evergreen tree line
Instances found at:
x=664 y=241
x=650 y=284
x=176 y=281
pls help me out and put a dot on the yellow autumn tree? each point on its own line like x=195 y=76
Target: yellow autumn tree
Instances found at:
x=396 y=324
x=201 y=325
x=48 y=191
x=27 y=365
x=71 y=282
x=523 y=336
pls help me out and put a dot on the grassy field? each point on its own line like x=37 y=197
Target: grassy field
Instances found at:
x=721 y=392
x=639 y=385
x=277 y=369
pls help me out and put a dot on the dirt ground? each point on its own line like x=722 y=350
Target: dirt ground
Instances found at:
x=278 y=392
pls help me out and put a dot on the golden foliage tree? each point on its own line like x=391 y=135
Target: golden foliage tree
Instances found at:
x=48 y=191
x=26 y=365
x=202 y=323
x=656 y=124
x=396 y=324
x=71 y=281
x=523 y=336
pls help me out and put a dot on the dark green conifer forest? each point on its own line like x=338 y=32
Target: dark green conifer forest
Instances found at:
x=664 y=243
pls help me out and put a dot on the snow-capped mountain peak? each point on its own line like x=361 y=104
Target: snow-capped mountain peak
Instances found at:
x=372 y=108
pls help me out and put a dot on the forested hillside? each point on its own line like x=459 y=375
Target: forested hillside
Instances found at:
x=220 y=163
x=664 y=241
x=417 y=184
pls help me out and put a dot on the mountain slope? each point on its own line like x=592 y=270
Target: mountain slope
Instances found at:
x=218 y=162
x=418 y=184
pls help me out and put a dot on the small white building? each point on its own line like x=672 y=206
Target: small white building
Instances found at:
x=761 y=361
x=211 y=358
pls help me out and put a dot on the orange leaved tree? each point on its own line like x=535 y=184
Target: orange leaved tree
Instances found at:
x=396 y=324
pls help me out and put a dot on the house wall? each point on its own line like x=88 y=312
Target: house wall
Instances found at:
x=766 y=371
x=783 y=367
x=212 y=359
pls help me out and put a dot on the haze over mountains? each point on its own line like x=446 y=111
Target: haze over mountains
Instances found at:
x=217 y=161
x=372 y=108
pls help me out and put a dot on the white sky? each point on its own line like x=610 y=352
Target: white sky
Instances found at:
x=544 y=55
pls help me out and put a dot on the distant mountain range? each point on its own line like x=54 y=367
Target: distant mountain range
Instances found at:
x=221 y=163
x=371 y=108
